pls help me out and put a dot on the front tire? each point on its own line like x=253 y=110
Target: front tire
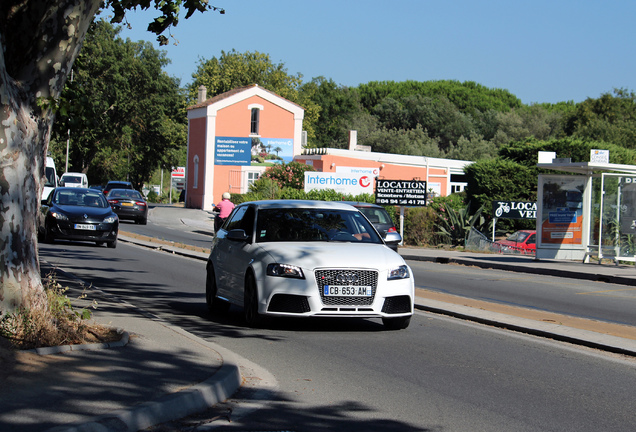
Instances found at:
x=250 y=303
x=399 y=323
x=112 y=244
x=48 y=234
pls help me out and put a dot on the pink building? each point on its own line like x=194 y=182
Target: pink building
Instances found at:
x=224 y=132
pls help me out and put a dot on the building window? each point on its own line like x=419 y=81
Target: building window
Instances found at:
x=252 y=177
x=195 y=182
x=254 y=123
x=255 y=118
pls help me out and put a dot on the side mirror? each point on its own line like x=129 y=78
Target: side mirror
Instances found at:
x=393 y=237
x=237 y=235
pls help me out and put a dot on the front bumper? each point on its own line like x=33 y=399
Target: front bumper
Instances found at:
x=305 y=297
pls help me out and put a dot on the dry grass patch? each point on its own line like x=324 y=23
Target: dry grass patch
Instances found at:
x=52 y=321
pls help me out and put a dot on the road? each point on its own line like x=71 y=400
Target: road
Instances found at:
x=439 y=374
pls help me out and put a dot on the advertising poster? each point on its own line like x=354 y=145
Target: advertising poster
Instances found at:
x=562 y=214
x=627 y=214
x=233 y=151
x=281 y=147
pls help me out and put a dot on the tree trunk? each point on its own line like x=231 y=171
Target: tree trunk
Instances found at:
x=39 y=41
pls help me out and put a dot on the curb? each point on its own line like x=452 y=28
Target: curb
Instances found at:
x=587 y=338
x=125 y=337
x=531 y=270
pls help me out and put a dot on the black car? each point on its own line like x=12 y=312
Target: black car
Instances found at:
x=78 y=214
x=117 y=185
x=382 y=222
x=129 y=204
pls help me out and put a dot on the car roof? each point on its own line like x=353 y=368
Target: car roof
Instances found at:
x=75 y=189
x=362 y=204
x=73 y=174
x=333 y=205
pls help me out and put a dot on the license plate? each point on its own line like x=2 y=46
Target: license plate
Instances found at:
x=347 y=291
x=85 y=227
x=125 y=204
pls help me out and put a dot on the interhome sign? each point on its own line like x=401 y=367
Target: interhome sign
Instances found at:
x=410 y=193
x=514 y=209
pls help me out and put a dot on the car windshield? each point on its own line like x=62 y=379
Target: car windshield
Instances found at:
x=518 y=237
x=309 y=225
x=70 y=197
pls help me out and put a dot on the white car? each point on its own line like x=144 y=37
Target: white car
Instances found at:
x=307 y=259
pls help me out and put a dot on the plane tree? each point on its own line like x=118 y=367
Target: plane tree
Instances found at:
x=39 y=41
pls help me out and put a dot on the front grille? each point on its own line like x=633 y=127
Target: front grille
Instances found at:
x=353 y=277
x=397 y=305
x=289 y=303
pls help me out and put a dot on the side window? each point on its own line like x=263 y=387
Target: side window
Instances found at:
x=236 y=219
x=532 y=239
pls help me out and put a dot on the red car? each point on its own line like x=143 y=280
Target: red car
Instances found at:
x=522 y=241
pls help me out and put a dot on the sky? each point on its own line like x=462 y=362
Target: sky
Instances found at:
x=540 y=51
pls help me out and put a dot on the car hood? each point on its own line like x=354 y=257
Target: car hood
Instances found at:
x=514 y=244
x=333 y=254
x=91 y=212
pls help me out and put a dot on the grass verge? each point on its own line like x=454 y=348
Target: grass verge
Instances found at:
x=53 y=322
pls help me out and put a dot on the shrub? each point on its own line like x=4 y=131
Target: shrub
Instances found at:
x=47 y=323
x=291 y=175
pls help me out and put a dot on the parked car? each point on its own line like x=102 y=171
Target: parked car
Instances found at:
x=306 y=259
x=74 y=179
x=117 y=185
x=51 y=181
x=523 y=241
x=381 y=220
x=77 y=214
x=129 y=204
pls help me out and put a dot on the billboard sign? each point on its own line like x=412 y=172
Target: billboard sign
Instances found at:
x=411 y=193
x=178 y=173
x=233 y=151
x=514 y=209
x=352 y=184
x=562 y=210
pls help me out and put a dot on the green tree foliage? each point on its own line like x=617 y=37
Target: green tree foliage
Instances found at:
x=338 y=105
x=469 y=97
x=414 y=142
x=125 y=116
x=610 y=118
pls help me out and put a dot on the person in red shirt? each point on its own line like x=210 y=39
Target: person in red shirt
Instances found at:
x=224 y=208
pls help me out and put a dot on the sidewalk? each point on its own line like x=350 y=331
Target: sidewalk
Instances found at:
x=156 y=373
x=159 y=373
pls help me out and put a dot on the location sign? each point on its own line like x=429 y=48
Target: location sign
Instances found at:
x=411 y=193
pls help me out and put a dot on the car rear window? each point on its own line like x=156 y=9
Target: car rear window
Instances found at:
x=376 y=215
x=309 y=225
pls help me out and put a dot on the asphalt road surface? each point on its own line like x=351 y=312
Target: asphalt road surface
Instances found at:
x=440 y=374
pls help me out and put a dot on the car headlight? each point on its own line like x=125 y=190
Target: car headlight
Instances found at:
x=401 y=272
x=110 y=219
x=59 y=216
x=285 y=270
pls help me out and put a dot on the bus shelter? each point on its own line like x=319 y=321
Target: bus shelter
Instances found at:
x=590 y=211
